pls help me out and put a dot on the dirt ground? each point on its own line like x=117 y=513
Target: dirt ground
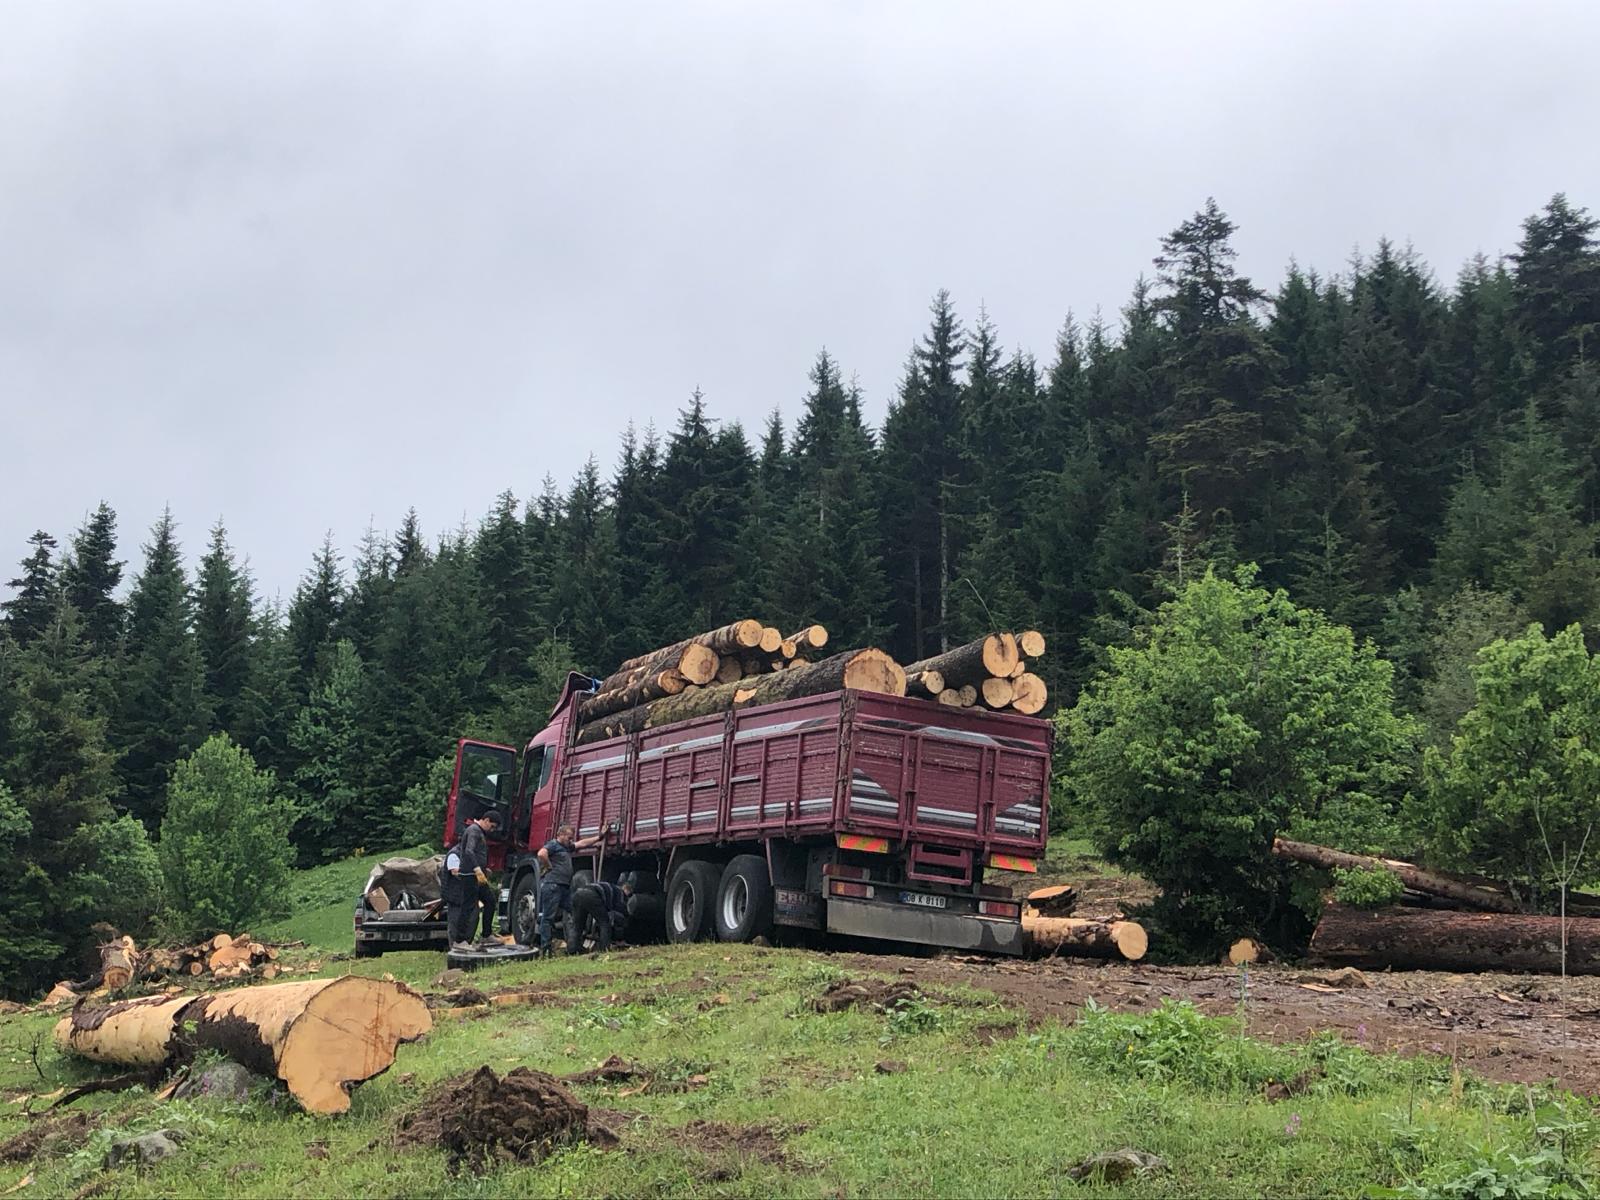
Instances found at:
x=1515 y=1028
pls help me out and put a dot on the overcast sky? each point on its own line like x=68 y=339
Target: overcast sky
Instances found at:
x=302 y=265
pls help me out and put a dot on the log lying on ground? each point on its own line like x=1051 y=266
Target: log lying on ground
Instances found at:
x=1245 y=952
x=1433 y=882
x=863 y=670
x=1031 y=693
x=730 y=639
x=1057 y=901
x=1436 y=940
x=118 y=962
x=973 y=663
x=1082 y=938
x=319 y=1036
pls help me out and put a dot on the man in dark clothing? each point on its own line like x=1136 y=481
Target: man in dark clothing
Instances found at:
x=468 y=865
x=614 y=899
x=555 y=879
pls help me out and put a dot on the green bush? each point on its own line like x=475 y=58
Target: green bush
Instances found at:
x=1519 y=788
x=1367 y=887
x=224 y=846
x=1237 y=717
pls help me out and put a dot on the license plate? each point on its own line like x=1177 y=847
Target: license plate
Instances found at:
x=408 y=937
x=923 y=899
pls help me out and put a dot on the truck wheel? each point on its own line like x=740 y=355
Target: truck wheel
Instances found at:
x=588 y=924
x=690 y=898
x=744 y=899
x=524 y=913
x=368 y=950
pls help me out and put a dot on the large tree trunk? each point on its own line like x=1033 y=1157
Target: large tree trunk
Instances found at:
x=318 y=1036
x=864 y=670
x=973 y=663
x=1430 y=939
x=1416 y=878
x=1080 y=937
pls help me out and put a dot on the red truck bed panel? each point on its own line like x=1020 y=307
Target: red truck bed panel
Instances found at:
x=918 y=772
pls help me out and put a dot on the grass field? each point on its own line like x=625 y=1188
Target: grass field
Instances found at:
x=952 y=1094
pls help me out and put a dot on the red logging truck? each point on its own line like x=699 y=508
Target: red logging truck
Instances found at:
x=851 y=812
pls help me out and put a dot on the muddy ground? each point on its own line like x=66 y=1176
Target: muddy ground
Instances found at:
x=1514 y=1028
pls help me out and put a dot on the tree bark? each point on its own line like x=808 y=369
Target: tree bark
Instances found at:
x=1031 y=693
x=730 y=639
x=651 y=687
x=1435 y=940
x=1082 y=938
x=1417 y=878
x=318 y=1036
x=995 y=654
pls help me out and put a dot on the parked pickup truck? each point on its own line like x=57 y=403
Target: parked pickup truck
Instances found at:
x=850 y=813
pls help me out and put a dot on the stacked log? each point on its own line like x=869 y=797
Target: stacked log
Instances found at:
x=991 y=670
x=123 y=963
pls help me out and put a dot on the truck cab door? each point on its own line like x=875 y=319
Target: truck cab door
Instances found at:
x=485 y=779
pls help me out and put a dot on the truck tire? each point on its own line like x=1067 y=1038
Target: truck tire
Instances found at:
x=691 y=896
x=522 y=917
x=744 y=899
x=588 y=924
x=368 y=950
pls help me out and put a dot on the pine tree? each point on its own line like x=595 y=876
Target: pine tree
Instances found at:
x=90 y=579
x=224 y=624
x=505 y=590
x=268 y=705
x=315 y=611
x=1556 y=285
x=362 y=614
x=162 y=713
x=410 y=551
x=30 y=611
x=333 y=762
x=590 y=593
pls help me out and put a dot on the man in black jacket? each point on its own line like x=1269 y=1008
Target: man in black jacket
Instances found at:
x=468 y=866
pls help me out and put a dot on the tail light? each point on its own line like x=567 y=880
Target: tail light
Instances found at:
x=847 y=887
x=1000 y=908
x=842 y=871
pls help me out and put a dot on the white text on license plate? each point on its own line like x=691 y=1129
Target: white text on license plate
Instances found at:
x=923 y=899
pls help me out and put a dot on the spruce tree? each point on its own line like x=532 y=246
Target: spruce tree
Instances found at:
x=505 y=590
x=333 y=764
x=90 y=579
x=224 y=625
x=315 y=611
x=162 y=712
x=29 y=611
x=1556 y=285
x=364 y=606
x=268 y=705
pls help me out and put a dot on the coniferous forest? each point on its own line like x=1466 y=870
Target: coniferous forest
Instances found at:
x=1417 y=457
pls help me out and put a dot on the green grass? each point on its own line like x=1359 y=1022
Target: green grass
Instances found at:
x=985 y=1105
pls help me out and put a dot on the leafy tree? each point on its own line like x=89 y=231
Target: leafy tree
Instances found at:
x=162 y=713
x=224 y=625
x=1517 y=793
x=1462 y=626
x=90 y=578
x=30 y=610
x=224 y=844
x=1236 y=717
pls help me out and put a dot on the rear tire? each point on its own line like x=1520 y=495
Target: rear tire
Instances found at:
x=744 y=900
x=588 y=924
x=523 y=915
x=691 y=897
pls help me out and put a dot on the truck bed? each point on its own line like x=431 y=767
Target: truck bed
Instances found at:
x=955 y=784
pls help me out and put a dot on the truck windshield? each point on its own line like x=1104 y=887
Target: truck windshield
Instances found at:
x=487 y=781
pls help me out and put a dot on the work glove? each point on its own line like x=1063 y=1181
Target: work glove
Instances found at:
x=478 y=874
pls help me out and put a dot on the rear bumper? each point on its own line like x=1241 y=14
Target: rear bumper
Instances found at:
x=398 y=935
x=926 y=927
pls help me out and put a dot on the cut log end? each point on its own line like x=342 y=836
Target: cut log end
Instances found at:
x=874 y=671
x=950 y=697
x=1080 y=936
x=930 y=682
x=1000 y=654
x=997 y=693
x=1246 y=952
x=1031 y=693
x=731 y=670
x=698 y=664
x=969 y=696
x=771 y=640
x=1031 y=643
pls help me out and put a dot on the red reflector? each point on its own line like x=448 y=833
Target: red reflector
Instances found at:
x=1000 y=908
x=844 y=887
x=841 y=871
x=1012 y=862
x=858 y=841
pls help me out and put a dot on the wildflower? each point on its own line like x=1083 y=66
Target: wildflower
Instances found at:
x=1292 y=1129
x=1361 y=1031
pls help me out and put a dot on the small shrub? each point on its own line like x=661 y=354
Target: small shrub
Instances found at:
x=1367 y=887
